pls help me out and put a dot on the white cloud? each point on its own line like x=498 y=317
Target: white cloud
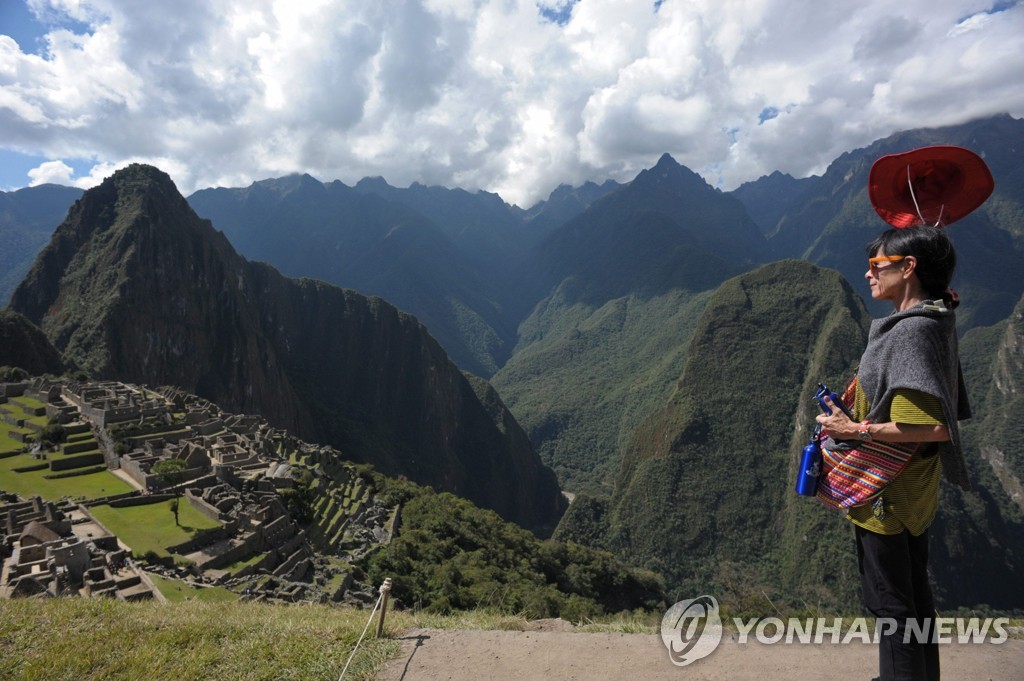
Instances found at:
x=59 y=172
x=51 y=172
x=489 y=94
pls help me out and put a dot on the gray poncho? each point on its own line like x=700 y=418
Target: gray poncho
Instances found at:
x=916 y=349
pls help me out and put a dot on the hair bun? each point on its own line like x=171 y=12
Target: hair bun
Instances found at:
x=951 y=298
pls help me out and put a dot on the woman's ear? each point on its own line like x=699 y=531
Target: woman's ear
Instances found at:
x=909 y=265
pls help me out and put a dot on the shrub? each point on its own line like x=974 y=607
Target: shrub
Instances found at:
x=53 y=434
x=9 y=374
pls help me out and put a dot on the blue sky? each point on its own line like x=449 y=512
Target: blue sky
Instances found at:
x=509 y=96
x=18 y=22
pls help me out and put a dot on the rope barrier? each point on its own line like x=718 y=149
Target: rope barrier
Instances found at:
x=384 y=590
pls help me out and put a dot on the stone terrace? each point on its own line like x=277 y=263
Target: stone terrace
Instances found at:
x=59 y=549
x=236 y=469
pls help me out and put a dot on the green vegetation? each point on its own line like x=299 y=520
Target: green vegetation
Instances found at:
x=335 y=582
x=53 y=434
x=24 y=413
x=152 y=527
x=975 y=539
x=123 y=434
x=177 y=591
x=239 y=564
x=26 y=402
x=298 y=501
x=583 y=378
x=9 y=374
x=705 y=494
x=171 y=472
x=7 y=442
x=42 y=481
x=451 y=555
x=106 y=639
x=245 y=562
x=28 y=484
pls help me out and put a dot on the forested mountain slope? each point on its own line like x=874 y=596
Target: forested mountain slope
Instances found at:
x=27 y=219
x=620 y=287
x=705 y=493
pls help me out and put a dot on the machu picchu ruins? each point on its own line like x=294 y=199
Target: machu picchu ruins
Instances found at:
x=283 y=520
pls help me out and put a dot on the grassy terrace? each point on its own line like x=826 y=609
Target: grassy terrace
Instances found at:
x=23 y=411
x=177 y=591
x=31 y=483
x=151 y=527
x=240 y=564
x=95 y=447
x=8 y=443
x=27 y=403
x=81 y=437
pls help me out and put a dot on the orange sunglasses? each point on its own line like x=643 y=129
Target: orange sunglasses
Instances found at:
x=873 y=262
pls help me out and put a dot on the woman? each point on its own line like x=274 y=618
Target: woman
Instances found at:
x=908 y=390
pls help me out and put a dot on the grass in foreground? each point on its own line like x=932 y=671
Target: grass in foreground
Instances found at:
x=104 y=639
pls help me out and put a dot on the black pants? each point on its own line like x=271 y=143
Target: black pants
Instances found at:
x=894 y=585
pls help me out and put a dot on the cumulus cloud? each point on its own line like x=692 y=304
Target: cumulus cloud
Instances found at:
x=51 y=172
x=512 y=96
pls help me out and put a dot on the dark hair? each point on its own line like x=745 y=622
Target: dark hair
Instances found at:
x=930 y=246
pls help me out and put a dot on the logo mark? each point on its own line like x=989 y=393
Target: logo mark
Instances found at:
x=691 y=630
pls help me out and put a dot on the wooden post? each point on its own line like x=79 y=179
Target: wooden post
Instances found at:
x=385 y=590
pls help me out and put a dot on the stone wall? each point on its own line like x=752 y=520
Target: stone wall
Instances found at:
x=8 y=390
x=145 y=500
x=200 y=504
x=69 y=462
x=249 y=545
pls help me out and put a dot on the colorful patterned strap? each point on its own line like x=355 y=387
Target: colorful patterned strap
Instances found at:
x=856 y=476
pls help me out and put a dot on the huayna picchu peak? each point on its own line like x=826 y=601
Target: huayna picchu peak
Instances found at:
x=134 y=286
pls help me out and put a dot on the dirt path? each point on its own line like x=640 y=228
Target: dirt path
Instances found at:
x=455 y=655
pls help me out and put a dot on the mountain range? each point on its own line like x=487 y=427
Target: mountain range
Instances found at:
x=656 y=342
x=27 y=219
x=827 y=219
x=135 y=286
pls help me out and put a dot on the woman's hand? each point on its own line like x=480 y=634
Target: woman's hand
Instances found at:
x=838 y=426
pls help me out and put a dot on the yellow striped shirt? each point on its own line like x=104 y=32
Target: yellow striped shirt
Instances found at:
x=910 y=501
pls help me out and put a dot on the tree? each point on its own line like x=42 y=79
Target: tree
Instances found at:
x=172 y=473
x=53 y=434
x=9 y=374
x=299 y=502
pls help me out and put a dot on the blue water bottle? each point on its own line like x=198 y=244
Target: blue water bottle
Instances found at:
x=824 y=392
x=810 y=468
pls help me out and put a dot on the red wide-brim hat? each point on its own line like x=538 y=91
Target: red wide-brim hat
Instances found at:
x=931 y=185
